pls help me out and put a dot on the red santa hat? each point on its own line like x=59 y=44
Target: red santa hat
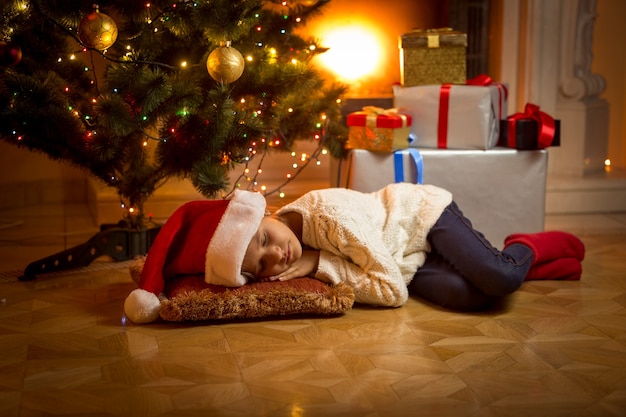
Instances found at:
x=209 y=236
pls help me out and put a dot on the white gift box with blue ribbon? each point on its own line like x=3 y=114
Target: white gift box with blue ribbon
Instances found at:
x=405 y=165
x=501 y=190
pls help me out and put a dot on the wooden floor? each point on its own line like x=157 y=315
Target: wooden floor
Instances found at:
x=556 y=348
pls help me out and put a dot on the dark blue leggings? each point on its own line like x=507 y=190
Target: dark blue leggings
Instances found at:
x=464 y=271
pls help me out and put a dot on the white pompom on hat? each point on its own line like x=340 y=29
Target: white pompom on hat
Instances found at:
x=208 y=236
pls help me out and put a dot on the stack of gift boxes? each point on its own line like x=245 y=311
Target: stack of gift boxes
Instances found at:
x=454 y=133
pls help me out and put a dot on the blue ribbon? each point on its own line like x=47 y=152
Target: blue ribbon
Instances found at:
x=398 y=163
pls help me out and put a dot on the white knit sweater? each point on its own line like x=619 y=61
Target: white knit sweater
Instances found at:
x=374 y=242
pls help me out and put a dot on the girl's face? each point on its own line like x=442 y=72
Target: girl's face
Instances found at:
x=272 y=250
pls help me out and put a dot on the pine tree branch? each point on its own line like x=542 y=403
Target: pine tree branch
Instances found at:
x=102 y=53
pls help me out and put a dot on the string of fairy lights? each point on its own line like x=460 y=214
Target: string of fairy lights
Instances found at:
x=97 y=32
x=250 y=175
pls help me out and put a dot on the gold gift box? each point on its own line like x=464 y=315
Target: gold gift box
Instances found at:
x=378 y=139
x=377 y=129
x=433 y=56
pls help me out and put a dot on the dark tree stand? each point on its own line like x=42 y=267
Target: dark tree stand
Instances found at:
x=119 y=243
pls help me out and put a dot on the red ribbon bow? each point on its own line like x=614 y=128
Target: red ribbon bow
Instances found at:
x=482 y=79
x=545 y=126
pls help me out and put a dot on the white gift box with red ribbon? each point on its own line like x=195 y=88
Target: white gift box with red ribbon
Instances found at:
x=454 y=116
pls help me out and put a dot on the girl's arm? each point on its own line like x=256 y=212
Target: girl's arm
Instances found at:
x=375 y=281
x=303 y=267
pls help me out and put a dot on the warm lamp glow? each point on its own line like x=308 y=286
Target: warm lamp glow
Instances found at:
x=354 y=51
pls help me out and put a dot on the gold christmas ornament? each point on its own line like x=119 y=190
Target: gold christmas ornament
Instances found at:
x=225 y=64
x=308 y=3
x=97 y=30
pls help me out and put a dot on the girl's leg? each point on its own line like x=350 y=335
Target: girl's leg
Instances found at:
x=493 y=272
x=438 y=282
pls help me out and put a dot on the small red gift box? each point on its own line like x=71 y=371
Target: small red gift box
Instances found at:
x=532 y=129
x=377 y=129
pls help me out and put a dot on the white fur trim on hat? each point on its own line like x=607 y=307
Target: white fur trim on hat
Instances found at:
x=230 y=240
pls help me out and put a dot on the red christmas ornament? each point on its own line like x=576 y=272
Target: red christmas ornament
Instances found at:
x=10 y=54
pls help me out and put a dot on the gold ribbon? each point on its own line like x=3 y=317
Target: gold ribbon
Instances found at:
x=372 y=113
x=432 y=35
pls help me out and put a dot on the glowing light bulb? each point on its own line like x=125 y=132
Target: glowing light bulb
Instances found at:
x=354 y=51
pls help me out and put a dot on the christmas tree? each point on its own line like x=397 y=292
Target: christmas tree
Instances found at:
x=138 y=92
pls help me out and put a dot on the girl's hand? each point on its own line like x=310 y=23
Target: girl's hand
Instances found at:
x=305 y=266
